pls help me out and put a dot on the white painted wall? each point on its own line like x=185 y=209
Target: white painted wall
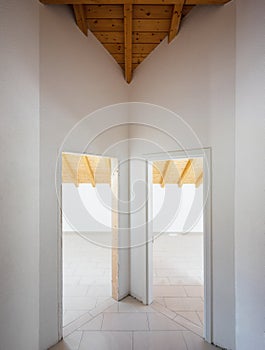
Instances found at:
x=19 y=181
x=250 y=179
x=77 y=77
x=177 y=209
x=86 y=208
x=195 y=77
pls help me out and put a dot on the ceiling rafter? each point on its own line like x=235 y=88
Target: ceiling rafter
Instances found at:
x=185 y=172
x=80 y=18
x=128 y=41
x=165 y=173
x=175 y=20
x=199 y=180
x=72 y=173
x=90 y=171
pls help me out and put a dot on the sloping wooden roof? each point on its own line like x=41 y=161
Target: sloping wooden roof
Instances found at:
x=80 y=169
x=179 y=172
x=130 y=29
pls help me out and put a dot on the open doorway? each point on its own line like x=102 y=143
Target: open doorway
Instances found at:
x=89 y=185
x=179 y=235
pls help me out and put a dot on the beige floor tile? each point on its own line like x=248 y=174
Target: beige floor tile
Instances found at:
x=71 y=342
x=196 y=343
x=159 y=322
x=158 y=341
x=191 y=316
x=93 y=325
x=184 y=304
x=169 y=291
x=106 y=341
x=194 y=291
x=125 y=322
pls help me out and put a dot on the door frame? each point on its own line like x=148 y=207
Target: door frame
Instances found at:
x=204 y=153
x=115 y=232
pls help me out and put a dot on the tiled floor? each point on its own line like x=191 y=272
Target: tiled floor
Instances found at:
x=178 y=276
x=86 y=273
x=94 y=321
x=130 y=325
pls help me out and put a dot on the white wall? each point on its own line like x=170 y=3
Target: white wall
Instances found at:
x=77 y=77
x=195 y=77
x=19 y=181
x=86 y=208
x=250 y=179
x=177 y=209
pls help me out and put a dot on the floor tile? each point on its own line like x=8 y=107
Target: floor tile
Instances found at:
x=184 y=304
x=74 y=290
x=73 y=326
x=79 y=303
x=169 y=291
x=93 y=325
x=188 y=325
x=158 y=341
x=71 y=342
x=196 y=343
x=191 y=316
x=163 y=310
x=130 y=304
x=106 y=341
x=125 y=322
x=194 y=291
x=71 y=315
x=159 y=322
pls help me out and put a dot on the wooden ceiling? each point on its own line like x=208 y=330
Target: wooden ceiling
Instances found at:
x=81 y=169
x=130 y=29
x=178 y=172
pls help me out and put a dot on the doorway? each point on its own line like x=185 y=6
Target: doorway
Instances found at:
x=179 y=238
x=88 y=230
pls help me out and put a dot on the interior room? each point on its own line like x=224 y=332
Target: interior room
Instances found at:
x=178 y=254
x=128 y=79
x=86 y=234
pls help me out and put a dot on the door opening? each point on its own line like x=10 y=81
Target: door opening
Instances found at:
x=88 y=230
x=179 y=244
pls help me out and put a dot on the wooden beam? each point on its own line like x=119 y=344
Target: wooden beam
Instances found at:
x=175 y=21
x=128 y=42
x=80 y=18
x=185 y=172
x=133 y=2
x=90 y=171
x=165 y=173
x=199 y=180
x=73 y=175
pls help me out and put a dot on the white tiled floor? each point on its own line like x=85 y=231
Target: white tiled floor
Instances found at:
x=178 y=277
x=94 y=321
x=86 y=273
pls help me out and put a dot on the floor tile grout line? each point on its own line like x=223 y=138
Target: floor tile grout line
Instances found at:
x=148 y=323
x=185 y=341
x=103 y=315
x=80 y=340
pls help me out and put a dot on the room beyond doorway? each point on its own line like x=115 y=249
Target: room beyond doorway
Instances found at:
x=179 y=273
x=88 y=189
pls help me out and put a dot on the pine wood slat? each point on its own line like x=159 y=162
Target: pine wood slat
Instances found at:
x=104 y=11
x=105 y=25
x=110 y=37
x=151 y=25
x=152 y=11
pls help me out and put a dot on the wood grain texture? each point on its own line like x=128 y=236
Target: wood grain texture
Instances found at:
x=128 y=25
x=175 y=21
x=133 y=2
x=79 y=12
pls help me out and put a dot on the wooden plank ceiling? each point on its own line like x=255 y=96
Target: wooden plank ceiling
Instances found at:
x=130 y=29
x=81 y=169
